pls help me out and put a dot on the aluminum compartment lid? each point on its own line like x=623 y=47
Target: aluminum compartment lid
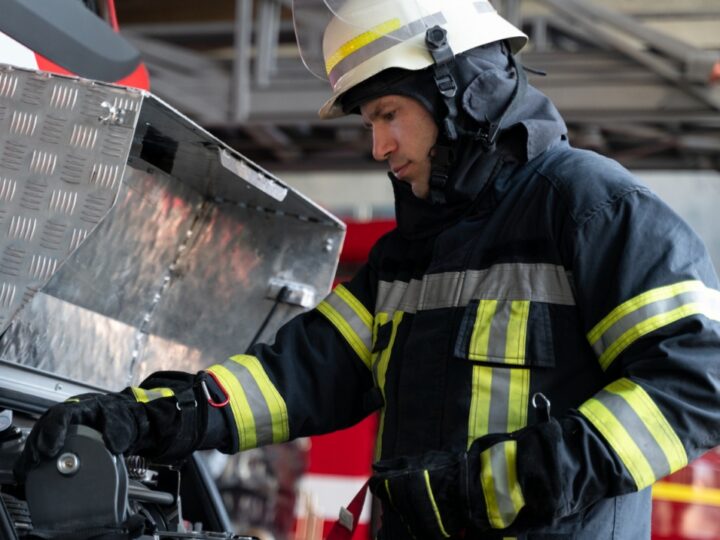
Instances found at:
x=132 y=240
x=185 y=150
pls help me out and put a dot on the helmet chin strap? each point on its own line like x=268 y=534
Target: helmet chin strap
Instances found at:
x=443 y=153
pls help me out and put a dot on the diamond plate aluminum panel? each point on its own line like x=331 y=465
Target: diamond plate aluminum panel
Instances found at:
x=169 y=280
x=131 y=240
x=60 y=170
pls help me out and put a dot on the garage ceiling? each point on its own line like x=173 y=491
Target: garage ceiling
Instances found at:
x=633 y=78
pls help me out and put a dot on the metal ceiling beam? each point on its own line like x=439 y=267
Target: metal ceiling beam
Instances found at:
x=623 y=87
x=190 y=81
x=267 y=40
x=696 y=65
x=240 y=107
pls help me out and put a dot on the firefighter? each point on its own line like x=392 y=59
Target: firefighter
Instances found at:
x=540 y=333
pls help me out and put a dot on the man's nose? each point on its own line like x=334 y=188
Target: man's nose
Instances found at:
x=383 y=144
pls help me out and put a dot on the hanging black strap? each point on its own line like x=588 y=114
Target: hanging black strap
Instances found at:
x=443 y=155
x=436 y=41
x=188 y=406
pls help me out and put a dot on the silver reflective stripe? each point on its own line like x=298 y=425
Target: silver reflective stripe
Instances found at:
x=384 y=43
x=484 y=7
x=531 y=282
x=398 y=296
x=440 y=290
x=499 y=401
x=157 y=393
x=534 y=282
x=498 y=475
x=497 y=345
x=634 y=318
x=256 y=401
x=499 y=396
x=641 y=436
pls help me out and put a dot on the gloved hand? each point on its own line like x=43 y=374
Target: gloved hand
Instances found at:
x=438 y=494
x=166 y=428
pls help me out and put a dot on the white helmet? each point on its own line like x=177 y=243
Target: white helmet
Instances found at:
x=364 y=37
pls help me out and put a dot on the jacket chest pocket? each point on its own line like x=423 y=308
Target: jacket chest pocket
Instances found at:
x=504 y=341
x=510 y=333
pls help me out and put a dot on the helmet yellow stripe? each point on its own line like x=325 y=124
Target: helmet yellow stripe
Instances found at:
x=358 y=42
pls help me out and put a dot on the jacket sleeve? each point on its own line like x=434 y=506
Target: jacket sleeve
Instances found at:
x=313 y=379
x=648 y=298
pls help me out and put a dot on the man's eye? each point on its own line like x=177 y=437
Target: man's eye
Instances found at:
x=389 y=116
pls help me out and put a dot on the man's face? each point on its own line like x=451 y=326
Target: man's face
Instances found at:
x=404 y=133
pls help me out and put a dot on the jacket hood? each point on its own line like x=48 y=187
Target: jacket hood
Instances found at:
x=486 y=79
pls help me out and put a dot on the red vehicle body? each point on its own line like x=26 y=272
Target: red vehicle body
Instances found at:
x=29 y=39
x=686 y=505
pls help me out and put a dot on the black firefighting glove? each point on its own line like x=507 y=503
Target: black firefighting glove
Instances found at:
x=437 y=495
x=166 y=419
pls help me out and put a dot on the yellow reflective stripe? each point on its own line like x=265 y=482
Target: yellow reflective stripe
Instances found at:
x=500 y=395
x=431 y=497
x=620 y=440
x=499 y=401
x=646 y=327
x=242 y=414
x=274 y=401
x=518 y=399
x=143 y=395
x=654 y=420
x=140 y=394
x=357 y=306
x=384 y=359
x=359 y=338
x=648 y=312
x=479 y=418
x=380 y=319
x=488 y=488
x=480 y=338
x=500 y=332
x=347 y=332
x=380 y=370
x=516 y=495
x=358 y=42
x=387 y=490
x=498 y=478
x=636 y=430
x=644 y=299
x=684 y=493
x=517 y=332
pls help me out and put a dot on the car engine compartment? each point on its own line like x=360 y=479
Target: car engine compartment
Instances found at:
x=87 y=493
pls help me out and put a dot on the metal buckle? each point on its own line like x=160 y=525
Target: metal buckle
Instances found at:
x=209 y=398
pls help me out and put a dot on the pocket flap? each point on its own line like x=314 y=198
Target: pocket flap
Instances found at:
x=511 y=333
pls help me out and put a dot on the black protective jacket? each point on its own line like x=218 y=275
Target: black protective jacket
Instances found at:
x=550 y=271
x=568 y=278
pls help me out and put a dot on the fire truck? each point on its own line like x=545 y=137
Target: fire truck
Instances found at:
x=107 y=221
